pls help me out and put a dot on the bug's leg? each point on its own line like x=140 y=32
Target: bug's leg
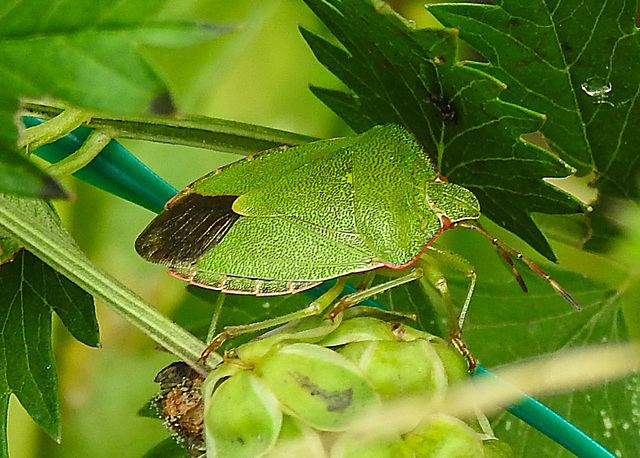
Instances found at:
x=433 y=277
x=456 y=262
x=315 y=308
x=505 y=250
x=367 y=280
x=355 y=298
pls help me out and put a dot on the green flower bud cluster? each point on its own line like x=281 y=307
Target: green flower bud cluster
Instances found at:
x=296 y=392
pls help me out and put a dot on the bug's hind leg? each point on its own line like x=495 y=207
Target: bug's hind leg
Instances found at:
x=434 y=278
x=506 y=251
x=315 y=308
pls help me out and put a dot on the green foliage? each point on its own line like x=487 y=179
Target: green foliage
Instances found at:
x=576 y=64
x=570 y=73
x=87 y=56
x=32 y=291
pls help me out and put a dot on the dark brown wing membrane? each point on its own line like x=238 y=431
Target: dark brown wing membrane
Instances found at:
x=181 y=234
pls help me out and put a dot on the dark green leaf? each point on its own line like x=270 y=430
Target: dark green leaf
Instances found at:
x=514 y=326
x=168 y=448
x=31 y=292
x=87 y=56
x=471 y=134
x=575 y=62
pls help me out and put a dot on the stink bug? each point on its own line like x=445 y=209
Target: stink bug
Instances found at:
x=285 y=220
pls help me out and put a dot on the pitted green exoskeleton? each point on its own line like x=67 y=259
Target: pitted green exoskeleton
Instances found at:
x=287 y=219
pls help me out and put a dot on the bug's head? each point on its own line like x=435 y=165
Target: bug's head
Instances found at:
x=452 y=200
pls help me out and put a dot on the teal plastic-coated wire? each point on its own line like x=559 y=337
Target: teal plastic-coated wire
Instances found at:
x=114 y=170
x=552 y=425
x=117 y=171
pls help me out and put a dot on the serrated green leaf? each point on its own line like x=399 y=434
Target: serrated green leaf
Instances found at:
x=86 y=56
x=31 y=292
x=73 y=305
x=31 y=222
x=514 y=326
x=577 y=63
x=392 y=69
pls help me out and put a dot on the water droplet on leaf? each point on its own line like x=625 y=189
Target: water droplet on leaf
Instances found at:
x=598 y=88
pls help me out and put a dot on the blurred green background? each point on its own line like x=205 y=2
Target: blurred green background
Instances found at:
x=258 y=74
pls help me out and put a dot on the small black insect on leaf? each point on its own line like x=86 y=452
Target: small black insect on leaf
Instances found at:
x=447 y=110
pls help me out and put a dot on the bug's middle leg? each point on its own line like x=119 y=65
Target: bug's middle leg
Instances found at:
x=355 y=298
x=315 y=308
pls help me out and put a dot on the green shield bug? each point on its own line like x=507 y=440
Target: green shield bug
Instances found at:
x=285 y=220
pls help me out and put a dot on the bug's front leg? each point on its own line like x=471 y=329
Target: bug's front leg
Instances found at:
x=433 y=277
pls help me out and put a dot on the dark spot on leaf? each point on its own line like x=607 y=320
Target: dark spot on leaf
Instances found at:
x=162 y=104
x=513 y=22
x=447 y=110
x=566 y=47
x=336 y=401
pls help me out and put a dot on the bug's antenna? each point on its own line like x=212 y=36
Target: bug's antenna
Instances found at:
x=506 y=251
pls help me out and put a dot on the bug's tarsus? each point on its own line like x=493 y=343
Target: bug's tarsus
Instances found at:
x=461 y=346
x=506 y=251
x=215 y=343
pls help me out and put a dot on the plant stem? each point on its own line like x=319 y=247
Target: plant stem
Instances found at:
x=197 y=131
x=72 y=263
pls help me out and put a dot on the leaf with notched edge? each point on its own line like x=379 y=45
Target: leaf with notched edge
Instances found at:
x=88 y=56
x=470 y=133
x=30 y=292
x=577 y=63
